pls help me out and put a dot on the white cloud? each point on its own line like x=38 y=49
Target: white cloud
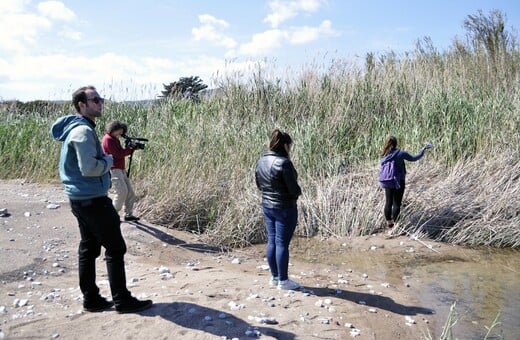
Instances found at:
x=118 y=77
x=71 y=34
x=263 y=43
x=210 y=30
x=22 y=27
x=266 y=42
x=20 y=31
x=284 y=10
x=56 y=10
x=302 y=35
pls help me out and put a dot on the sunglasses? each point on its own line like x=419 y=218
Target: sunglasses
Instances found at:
x=97 y=100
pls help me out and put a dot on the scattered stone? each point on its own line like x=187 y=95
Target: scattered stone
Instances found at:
x=234 y=306
x=325 y=321
x=263 y=267
x=3 y=309
x=251 y=333
x=4 y=212
x=372 y=310
x=263 y=320
x=409 y=320
x=349 y=325
x=164 y=270
x=355 y=332
x=53 y=206
x=385 y=284
x=364 y=276
x=235 y=261
x=27 y=214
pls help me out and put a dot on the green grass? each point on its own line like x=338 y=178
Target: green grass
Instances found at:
x=197 y=170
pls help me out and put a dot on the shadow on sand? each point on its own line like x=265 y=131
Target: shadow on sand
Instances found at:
x=208 y=320
x=372 y=300
x=166 y=238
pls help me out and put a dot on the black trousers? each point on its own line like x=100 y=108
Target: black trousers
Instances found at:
x=99 y=225
x=393 y=201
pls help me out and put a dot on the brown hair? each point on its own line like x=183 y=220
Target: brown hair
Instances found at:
x=80 y=96
x=390 y=145
x=116 y=125
x=278 y=141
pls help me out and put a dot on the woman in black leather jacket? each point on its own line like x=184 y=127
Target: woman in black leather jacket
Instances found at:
x=278 y=180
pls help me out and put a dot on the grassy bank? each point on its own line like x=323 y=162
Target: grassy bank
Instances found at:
x=197 y=171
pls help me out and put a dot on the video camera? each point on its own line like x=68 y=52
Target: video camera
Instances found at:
x=134 y=142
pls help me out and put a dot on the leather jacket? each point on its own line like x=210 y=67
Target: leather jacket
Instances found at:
x=278 y=180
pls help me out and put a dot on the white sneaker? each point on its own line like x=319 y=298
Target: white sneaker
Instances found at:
x=288 y=285
x=273 y=281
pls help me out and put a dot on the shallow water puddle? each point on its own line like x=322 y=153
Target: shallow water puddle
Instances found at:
x=482 y=282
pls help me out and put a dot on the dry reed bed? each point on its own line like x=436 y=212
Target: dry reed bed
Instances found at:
x=476 y=202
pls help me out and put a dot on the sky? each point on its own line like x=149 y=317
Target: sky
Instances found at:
x=129 y=49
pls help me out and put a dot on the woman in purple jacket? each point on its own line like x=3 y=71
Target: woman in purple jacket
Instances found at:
x=394 y=195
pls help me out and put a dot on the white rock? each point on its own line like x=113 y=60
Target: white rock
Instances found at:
x=3 y=309
x=53 y=206
x=409 y=320
x=327 y=301
x=385 y=284
x=355 y=332
x=263 y=267
x=163 y=270
x=27 y=214
x=235 y=261
x=372 y=310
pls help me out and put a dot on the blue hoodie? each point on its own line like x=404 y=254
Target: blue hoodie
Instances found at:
x=399 y=156
x=84 y=168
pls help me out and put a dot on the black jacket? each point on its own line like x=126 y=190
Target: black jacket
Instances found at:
x=278 y=180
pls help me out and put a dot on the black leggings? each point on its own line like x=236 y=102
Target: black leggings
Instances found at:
x=393 y=200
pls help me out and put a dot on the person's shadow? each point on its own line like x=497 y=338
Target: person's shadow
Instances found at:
x=166 y=238
x=219 y=323
x=372 y=300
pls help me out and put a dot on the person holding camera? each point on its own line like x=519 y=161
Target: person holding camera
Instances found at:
x=84 y=172
x=123 y=190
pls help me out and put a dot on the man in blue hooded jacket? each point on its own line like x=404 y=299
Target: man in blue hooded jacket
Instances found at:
x=85 y=173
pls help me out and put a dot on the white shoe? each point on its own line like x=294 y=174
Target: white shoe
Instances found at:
x=273 y=281
x=288 y=285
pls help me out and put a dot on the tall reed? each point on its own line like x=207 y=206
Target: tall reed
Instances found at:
x=197 y=171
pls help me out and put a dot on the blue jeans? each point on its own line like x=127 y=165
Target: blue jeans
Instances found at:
x=280 y=224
